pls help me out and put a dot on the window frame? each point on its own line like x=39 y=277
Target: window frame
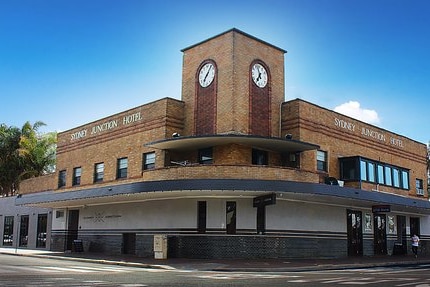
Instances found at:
x=77 y=173
x=148 y=160
x=322 y=164
x=372 y=171
x=122 y=168
x=62 y=178
x=99 y=175
x=205 y=155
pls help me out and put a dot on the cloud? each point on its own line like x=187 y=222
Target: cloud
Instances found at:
x=353 y=109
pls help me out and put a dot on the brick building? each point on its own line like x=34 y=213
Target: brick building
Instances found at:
x=234 y=170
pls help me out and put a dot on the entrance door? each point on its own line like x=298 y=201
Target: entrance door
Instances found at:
x=401 y=232
x=129 y=243
x=355 y=233
x=379 y=234
x=72 y=228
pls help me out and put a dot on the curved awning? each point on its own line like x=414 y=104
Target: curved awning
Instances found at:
x=224 y=188
x=182 y=143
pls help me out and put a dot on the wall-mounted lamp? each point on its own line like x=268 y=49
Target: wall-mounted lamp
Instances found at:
x=175 y=135
x=288 y=136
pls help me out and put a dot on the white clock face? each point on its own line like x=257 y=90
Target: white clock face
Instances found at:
x=259 y=75
x=206 y=75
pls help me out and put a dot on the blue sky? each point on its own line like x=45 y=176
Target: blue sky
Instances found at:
x=70 y=62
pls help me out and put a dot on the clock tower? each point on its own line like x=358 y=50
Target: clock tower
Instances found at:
x=233 y=83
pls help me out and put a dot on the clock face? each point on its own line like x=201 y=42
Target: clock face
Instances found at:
x=259 y=75
x=206 y=75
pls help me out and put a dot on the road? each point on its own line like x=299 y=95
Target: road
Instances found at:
x=29 y=271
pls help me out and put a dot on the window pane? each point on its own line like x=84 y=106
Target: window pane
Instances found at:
x=381 y=174
x=363 y=170
x=396 y=177
x=99 y=172
x=348 y=169
x=388 y=177
x=371 y=171
x=122 y=168
x=259 y=157
x=8 y=231
x=149 y=160
x=77 y=176
x=405 y=179
x=321 y=160
x=205 y=156
x=62 y=178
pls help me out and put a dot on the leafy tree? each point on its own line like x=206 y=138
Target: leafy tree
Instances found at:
x=10 y=165
x=24 y=153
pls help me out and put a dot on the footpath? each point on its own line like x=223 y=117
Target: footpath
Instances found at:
x=228 y=265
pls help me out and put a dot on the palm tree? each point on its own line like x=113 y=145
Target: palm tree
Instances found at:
x=37 y=152
x=24 y=153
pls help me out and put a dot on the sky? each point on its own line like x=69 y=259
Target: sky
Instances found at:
x=70 y=62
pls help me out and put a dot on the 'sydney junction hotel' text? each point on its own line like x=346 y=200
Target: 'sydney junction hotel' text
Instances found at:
x=231 y=170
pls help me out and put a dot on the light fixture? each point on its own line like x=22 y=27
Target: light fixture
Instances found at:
x=175 y=135
x=288 y=136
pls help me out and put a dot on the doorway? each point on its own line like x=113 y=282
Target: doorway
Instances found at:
x=129 y=243
x=379 y=234
x=72 y=228
x=354 y=233
x=401 y=233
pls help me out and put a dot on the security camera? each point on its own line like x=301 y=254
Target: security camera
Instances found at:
x=288 y=136
x=175 y=135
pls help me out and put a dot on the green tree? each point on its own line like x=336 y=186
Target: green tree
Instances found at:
x=24 y=153
x=10 y=165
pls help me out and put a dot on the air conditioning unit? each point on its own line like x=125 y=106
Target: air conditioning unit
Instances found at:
x=420 y=191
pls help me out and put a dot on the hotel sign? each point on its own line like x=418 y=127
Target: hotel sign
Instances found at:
x=106 y=126
x=368 y=133
x=381 y=208
x=264 y=200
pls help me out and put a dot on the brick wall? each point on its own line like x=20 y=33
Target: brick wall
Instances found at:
x=342 y=136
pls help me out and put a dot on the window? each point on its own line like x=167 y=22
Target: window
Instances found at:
x=59 y=214
x=373 y=171
x=396 y=177
x=349 y=169
x=77 y=176
x=367 y=170
x=99 y=172
x=321 y=160
x=62 y=178
x=419 y=186
x=405 y=179
x=205 y=156
x=388 y=176
x=259 y=157
x=380 y=174
x=122 y=166
x=149 y=160
x=8 y=231
x=363 y=170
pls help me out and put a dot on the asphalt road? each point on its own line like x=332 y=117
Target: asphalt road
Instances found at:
x=29 y=271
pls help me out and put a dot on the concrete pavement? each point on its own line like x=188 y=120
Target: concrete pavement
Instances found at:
x=238 y=265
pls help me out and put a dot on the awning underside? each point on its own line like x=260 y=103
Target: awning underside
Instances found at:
x=223 y=188
x=199 y=142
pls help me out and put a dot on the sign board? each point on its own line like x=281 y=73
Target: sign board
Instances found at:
x=264 y=200
x=381 y=208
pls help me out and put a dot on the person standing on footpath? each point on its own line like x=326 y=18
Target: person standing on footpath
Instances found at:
x=415 y=243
